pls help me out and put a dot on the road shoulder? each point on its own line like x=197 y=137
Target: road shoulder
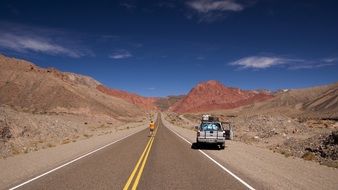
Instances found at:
x=25 y=166
x=273 y=170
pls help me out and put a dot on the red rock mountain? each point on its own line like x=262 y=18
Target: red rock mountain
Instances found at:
x=27 y=87
x=142 y=102
x=213 y=95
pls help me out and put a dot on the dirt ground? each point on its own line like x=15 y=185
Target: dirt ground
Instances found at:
x=306 y=138
x=263 y=166
x=24 y=132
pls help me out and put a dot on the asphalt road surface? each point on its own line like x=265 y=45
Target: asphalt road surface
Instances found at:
x=163 y=161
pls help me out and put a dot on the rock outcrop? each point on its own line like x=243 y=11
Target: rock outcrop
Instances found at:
x=213 y=95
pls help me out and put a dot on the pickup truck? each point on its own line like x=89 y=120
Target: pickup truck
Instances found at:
x=211 y=131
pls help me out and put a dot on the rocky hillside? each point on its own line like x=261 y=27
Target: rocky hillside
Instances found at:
x=319 y=102
x=165 y=103
x=142 y=102
x=146 y=103
x=26 y=87
x=42 y=108
x=213 y=95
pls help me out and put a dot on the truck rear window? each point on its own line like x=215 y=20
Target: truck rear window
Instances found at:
x=210 y=127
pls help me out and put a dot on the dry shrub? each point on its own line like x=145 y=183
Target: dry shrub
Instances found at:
x=87 y=135
x=50 y=145
x=309 y=156
x=286 y=153
x=66 y=141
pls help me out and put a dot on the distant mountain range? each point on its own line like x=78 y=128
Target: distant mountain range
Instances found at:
x=25 y=86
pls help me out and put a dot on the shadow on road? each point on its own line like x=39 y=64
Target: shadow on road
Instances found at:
x=205 y=146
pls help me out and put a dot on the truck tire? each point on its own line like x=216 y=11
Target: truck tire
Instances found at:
x=231 y=135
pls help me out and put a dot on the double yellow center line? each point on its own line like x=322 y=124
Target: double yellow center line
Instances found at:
x=141 y=162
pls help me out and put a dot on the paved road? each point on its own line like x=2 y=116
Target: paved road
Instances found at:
x=167 y=162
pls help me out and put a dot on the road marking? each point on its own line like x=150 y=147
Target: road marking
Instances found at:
x=74 y=160
x=137 y=165
x=137 y=180
x=217 y=163
x=138 y=169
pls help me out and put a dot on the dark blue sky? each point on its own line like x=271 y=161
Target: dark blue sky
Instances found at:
x=159 y=48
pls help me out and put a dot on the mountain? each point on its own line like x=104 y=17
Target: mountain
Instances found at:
x=27 y=87
x=319 y=101
x=165 y=103
x=146 y=103
x=212 y=95
x=142 y=102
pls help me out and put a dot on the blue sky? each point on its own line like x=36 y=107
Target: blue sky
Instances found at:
x=160 y=48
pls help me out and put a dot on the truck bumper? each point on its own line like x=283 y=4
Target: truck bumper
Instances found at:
x=210 y=140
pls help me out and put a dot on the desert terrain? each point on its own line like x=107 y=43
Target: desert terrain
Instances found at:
x=297 y=122
x=42 y=108
x=51 y=117
x=169 y=94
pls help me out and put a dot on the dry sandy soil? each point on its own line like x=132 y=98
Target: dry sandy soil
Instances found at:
x=24 y=132
x=310 y=139
x=262 y=166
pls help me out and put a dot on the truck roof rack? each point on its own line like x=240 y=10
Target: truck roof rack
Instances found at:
x=209 y=118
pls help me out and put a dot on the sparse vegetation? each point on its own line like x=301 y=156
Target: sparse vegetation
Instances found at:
x=66 y=141
x=50 y=145
x=87 y=135
x=309 y=156
x=290 y=136
x=15 y=150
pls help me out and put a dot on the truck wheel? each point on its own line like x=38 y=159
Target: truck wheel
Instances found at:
x=195 y=145
x=231 y=135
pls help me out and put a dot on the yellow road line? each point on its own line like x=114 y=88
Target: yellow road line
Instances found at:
x=137 y=180
x=143 y=157
x=136 y=167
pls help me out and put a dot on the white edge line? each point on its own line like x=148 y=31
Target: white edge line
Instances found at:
x=220 y=165
x=74 y=160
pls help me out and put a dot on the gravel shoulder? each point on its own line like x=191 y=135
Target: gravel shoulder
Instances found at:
x=272 y=170
x=25 y=166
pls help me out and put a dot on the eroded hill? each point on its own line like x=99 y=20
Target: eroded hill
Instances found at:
x=41 y=108
x=212 y=95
